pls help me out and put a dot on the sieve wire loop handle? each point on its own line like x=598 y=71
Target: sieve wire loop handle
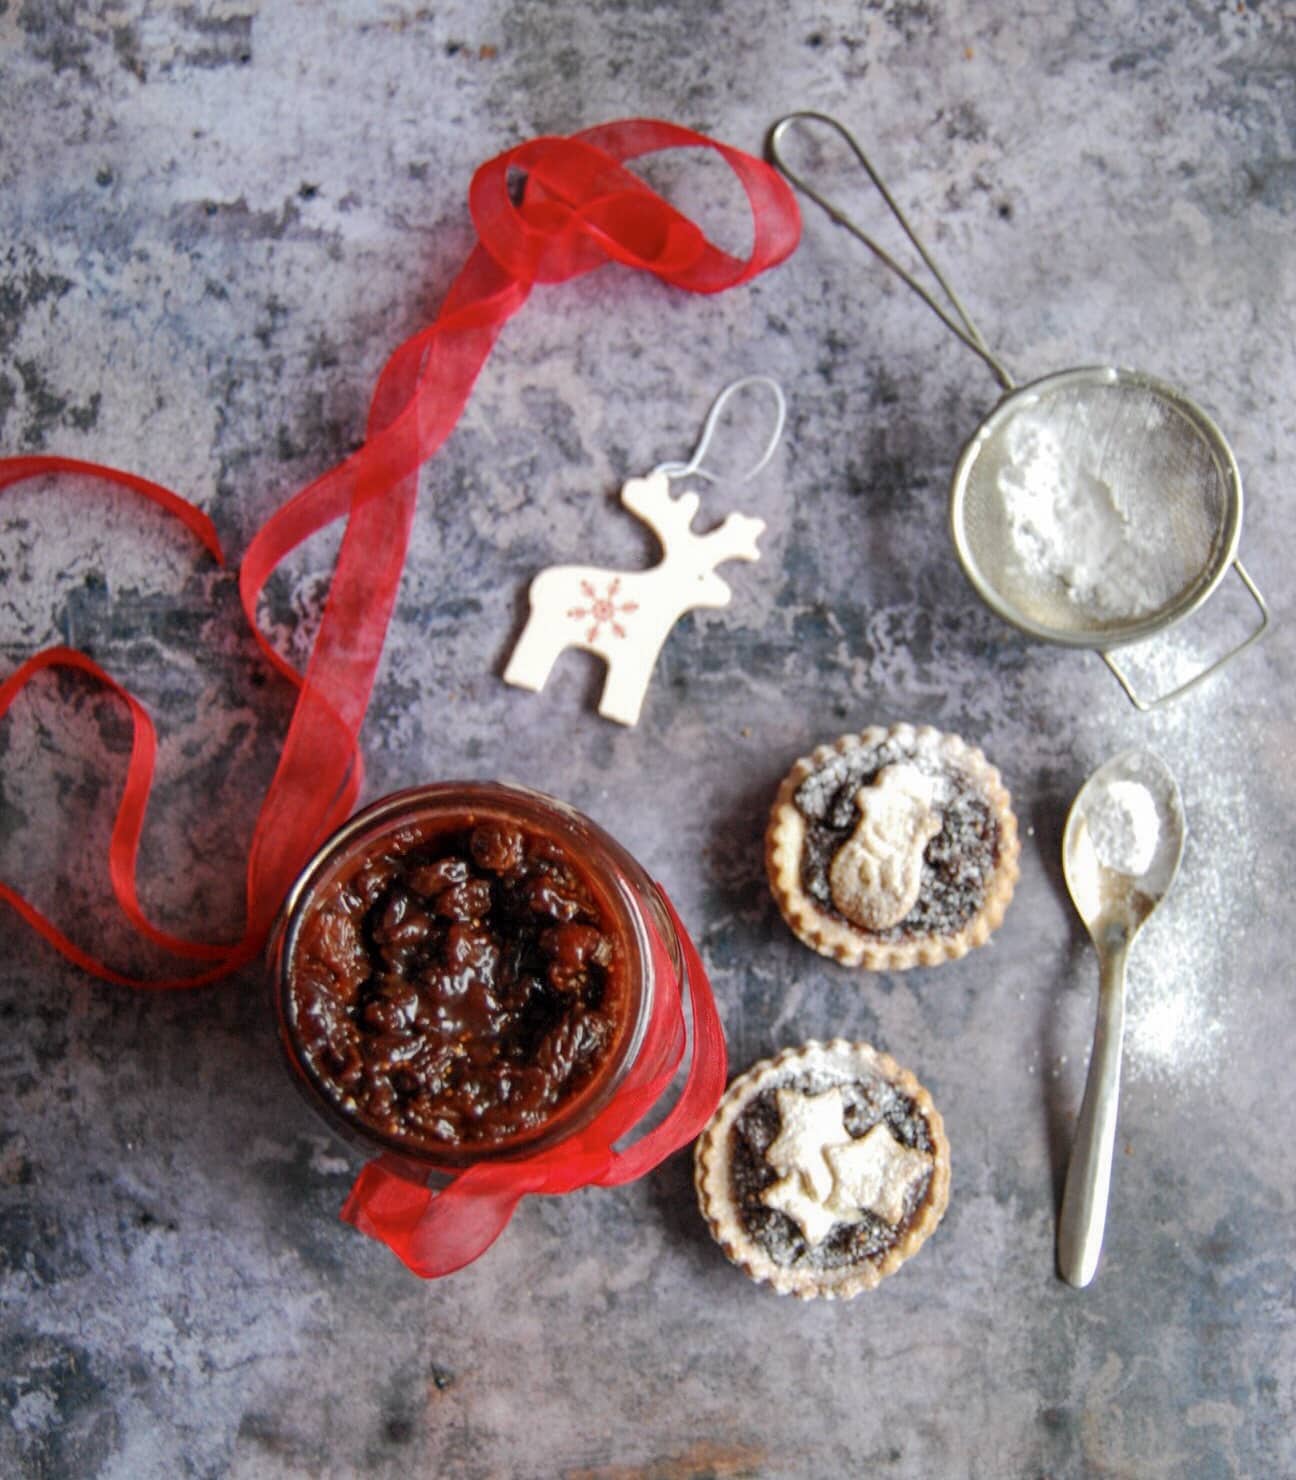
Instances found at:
x=963 y=327
x=1140 y=703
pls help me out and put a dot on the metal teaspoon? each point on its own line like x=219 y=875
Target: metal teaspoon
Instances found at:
x=1120 y=852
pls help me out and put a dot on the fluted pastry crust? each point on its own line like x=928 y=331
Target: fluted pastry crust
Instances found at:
x=864 y=1253
x=936 y=930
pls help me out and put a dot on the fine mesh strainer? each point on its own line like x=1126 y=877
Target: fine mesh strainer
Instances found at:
x=1093 y=508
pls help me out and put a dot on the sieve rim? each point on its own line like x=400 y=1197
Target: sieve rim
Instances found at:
x=1222 y=555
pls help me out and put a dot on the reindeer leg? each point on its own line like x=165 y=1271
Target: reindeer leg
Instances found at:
x=625 y=686
x=536 y=652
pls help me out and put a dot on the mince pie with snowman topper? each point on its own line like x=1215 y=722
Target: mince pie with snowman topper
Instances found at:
x=823 y=1169
x=893 y=848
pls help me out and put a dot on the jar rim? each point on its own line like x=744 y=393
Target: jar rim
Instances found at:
x=621 y=884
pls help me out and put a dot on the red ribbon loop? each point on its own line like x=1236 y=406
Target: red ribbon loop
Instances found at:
x=579 y=208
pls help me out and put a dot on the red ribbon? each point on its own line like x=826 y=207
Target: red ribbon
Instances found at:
x=579 y=209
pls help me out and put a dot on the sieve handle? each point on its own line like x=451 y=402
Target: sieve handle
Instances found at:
x=961 y=327
x=1146 y=704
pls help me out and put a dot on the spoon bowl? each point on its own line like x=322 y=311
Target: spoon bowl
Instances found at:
x=1121 y=848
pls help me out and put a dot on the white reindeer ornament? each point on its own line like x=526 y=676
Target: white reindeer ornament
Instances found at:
x=626 y=616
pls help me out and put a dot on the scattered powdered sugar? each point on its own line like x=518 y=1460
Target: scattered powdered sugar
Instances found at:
x=1176 y=1015
x=1187 y=1003
x=1125 y=827
x=1189 y=995
x=1171 y=1031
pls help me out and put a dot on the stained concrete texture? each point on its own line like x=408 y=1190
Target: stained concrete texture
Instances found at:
x=218 y=219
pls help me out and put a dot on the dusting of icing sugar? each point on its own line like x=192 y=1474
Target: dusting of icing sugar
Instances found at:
x=1181 y=996
x=875 y=876
x=1171 y=1032
x=1186 y=1002
x=1067 y=523
x=1108 y=509
x=1125 y=827
x=829 y=1178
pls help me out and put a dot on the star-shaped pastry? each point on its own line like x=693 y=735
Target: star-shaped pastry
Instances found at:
x=828 y=1177
x=815 y=1218
x=807 y=1125
x=875 y=1173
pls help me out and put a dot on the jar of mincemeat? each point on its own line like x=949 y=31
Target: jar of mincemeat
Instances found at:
x=466 y=971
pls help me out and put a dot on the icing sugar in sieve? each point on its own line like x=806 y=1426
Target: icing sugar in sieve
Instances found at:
x=1092 y=508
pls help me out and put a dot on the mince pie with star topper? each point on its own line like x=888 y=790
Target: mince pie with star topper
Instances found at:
x=893 y=848
x=823 y=1169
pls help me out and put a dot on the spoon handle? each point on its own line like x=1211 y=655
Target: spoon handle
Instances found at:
x=1088 y=1179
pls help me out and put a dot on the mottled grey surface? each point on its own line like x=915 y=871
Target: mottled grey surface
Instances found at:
x=218 y=218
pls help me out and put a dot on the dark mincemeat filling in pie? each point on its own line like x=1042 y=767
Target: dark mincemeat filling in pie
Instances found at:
x=957 y=863
x=866 y=1102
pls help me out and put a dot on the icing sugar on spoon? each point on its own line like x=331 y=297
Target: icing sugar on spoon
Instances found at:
x=1120 y=852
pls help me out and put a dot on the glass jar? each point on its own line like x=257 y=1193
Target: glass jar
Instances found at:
x=465 y=972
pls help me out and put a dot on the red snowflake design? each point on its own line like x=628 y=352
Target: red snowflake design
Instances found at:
x=602 y=610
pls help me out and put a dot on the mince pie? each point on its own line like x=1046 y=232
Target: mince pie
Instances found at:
x=823 y=1169
x=893 y=848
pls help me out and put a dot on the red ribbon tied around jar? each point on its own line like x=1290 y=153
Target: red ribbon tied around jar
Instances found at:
x=578 y=208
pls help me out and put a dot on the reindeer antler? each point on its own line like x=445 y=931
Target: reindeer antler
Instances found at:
x=671 y=519
x=650 y=499
x=735 y=539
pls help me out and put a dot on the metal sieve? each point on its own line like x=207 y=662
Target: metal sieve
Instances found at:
x=1093 y=508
